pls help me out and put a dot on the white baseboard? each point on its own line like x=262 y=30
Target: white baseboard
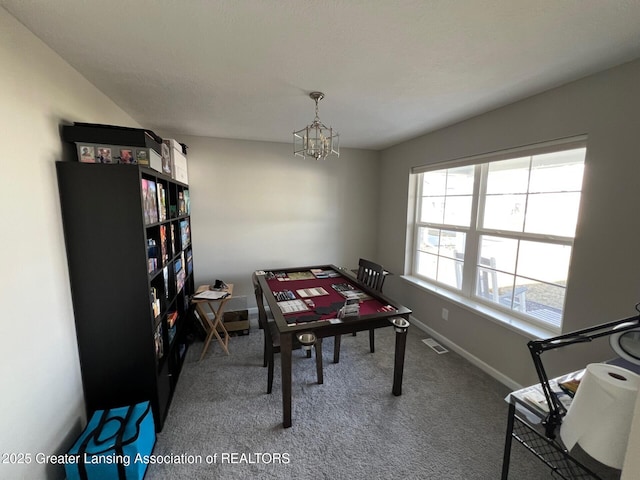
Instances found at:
x=499 y=376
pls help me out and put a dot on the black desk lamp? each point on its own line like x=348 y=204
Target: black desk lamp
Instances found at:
x=625 y=343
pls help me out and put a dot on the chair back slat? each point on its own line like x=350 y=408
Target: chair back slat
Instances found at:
x=371 y=274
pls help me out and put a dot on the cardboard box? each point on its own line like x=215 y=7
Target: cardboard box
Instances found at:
x=237 y=322
x=155 y=160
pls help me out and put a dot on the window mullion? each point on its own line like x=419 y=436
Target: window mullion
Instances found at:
x=472 y=240
x=418 y=216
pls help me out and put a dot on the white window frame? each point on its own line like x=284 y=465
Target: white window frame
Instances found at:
x=474 y=232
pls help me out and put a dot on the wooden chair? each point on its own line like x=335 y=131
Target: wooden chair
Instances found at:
x=272 y=339
x=372 y=275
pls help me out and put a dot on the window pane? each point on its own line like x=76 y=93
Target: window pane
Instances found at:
x=447 y=272
x=544 y=261
x=434 y=183
x=553 y=213
x=504 y=212
x=427 y=265
x=494 y=286
x=428 y=239
x=460 y=180
x=558 y=172
x=451 y=243
x=508 y=176
x=432 y=210
x=522 y=225
x=544 y=302
x=458 y=211
x=499 y=253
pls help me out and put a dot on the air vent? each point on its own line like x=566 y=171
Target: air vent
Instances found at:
x=435 y=346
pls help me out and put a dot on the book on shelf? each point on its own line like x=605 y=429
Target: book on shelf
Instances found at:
x=180 y=275
x=172 y=242
x=164 y=251
x=149 y=201
x=182 y=206
x=155 y=302
x=189 y=262
x=152 y=255
x=187 y=202
x=144 y=183
x=165 y=275
x=171 y=318
x=185 y=233
x=159 y=342
x=162 y=202
x=153 y=203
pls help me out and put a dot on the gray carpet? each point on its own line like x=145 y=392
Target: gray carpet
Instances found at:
x=449 y=422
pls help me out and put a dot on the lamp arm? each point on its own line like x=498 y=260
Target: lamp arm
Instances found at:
x=537 y=347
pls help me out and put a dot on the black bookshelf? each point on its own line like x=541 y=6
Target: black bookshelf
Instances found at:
x=131 y=274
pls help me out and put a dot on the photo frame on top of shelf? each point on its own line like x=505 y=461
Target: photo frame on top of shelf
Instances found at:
x=110 y=154
x=104 y=155
x=87 y=153
x=126 y=156
x=142 y=156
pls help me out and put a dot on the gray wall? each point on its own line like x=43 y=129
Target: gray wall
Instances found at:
x=41 y=406
x=604 y=281
x=256 y=206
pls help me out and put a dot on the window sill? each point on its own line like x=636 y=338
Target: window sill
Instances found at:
x=510 y=322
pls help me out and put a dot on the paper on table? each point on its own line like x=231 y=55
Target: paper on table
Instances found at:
x=210 y=295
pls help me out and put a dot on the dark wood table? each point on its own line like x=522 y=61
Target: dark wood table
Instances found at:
x=375 y=312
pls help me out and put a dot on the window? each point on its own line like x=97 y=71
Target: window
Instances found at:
x=499 y=229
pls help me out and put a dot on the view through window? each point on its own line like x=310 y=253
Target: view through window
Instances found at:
x=501 y=231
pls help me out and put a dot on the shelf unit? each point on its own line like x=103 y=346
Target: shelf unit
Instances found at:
x=128 y=239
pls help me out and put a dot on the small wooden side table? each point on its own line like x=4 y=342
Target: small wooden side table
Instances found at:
x=212 y=326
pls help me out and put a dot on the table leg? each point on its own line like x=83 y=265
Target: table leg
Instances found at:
x=508 y=440
x=319 y=360
x=285 y=368
x=398 y=367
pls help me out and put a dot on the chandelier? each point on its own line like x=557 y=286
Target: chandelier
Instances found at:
x=316 y=140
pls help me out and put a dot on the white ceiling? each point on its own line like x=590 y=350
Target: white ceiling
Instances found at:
x=390 y=70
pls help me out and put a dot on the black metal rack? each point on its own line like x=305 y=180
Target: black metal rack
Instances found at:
x=541 y=440
x=549 y=451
